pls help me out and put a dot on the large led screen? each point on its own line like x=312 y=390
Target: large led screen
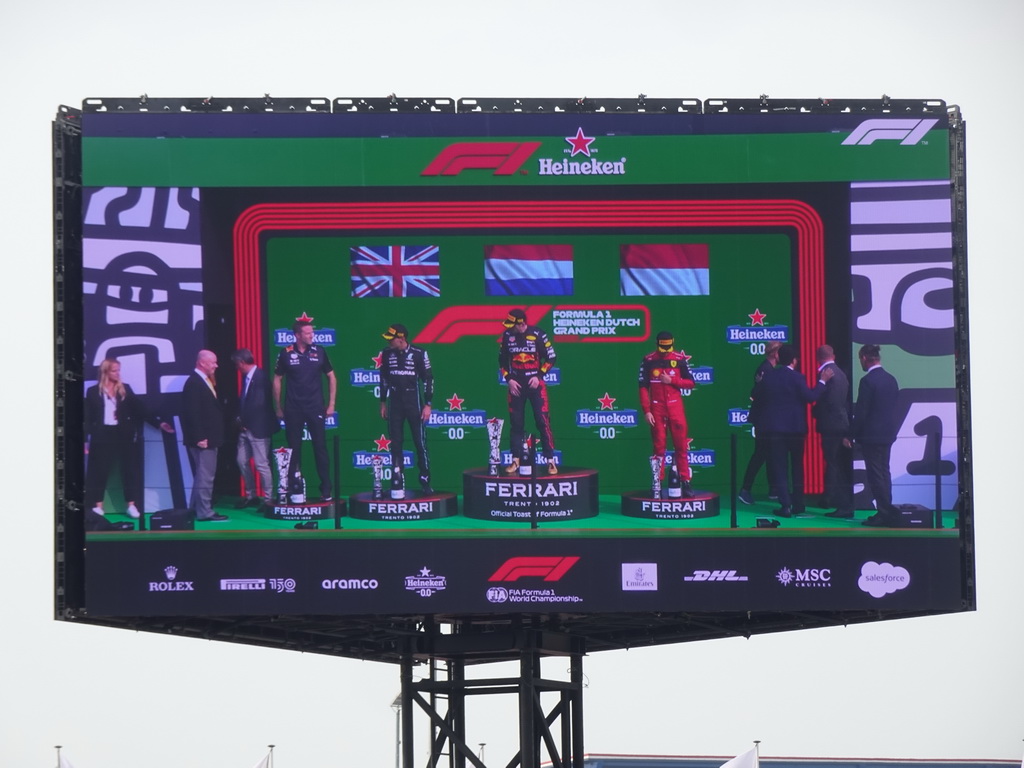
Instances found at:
x=205 y=234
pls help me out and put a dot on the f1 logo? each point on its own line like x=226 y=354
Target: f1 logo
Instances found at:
x=551 y=568
x=907 y=132
x=505 y=157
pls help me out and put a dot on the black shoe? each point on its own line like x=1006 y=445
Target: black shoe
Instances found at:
x=327 y=499
x=783 y=512
x=213 y=519
x=243 y=503
x=687 y=490
x=258 y=501
x=844 y=514
x=883 y=520
x=745 y=496
x=773 y=496
x=425 y=484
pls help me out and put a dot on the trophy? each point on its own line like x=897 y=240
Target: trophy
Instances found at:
x=377 y=463
x=283 y=456
x=657 y=462
x=494 y=427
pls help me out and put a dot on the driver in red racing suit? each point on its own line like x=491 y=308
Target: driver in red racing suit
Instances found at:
x=663 y=374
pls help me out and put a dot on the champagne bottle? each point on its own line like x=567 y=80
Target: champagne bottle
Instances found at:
x=675 y=486
x=298 y=495
x=397 y=484
x=526 y=465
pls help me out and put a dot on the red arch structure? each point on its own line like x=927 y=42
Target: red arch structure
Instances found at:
x=389 y=216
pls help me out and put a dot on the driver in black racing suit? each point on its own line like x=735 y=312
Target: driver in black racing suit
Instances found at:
x=402 y=367
x=525 y=356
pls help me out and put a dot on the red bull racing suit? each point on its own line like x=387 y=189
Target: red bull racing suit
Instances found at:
x=523 y=356
x=665 y=402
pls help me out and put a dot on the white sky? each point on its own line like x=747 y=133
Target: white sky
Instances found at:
x=935 y=687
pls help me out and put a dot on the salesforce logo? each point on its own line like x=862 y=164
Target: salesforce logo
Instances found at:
x=881 y=579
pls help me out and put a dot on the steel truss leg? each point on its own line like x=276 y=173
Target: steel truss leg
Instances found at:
x=555 y=735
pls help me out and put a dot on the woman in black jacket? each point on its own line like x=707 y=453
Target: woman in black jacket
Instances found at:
x=113 y=426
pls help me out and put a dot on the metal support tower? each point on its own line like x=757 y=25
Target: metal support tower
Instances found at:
x=550 y=711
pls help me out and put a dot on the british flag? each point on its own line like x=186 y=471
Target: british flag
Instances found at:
x=395 y=271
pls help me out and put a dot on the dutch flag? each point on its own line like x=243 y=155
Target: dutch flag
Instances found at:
x=528 y=270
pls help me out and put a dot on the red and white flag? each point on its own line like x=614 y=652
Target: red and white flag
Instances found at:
x=670 y=269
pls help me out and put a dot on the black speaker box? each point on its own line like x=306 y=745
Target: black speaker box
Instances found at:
x=915 y=516
x=172 y=520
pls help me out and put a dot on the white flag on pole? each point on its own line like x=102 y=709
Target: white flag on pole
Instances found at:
x=746 y=760
x=63 y=762
x=264 y=763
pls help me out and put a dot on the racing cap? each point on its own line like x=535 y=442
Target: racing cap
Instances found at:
x=514 y=316
x=665 y=341
x=396 y=331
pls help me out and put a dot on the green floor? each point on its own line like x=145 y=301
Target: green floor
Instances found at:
x=250 y=523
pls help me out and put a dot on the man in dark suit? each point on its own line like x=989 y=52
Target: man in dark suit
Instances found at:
x=832 y=421
x=256 y=424
x=784 y=395
x=202 y=426
x=874 y=429
x=754 y=414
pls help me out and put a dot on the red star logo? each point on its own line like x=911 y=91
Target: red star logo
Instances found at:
x=606 y=402
x=757 y=318
x=455 y=402
x=383 y=444
x=377 y=359
x=580 y=143
x=304 y=319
